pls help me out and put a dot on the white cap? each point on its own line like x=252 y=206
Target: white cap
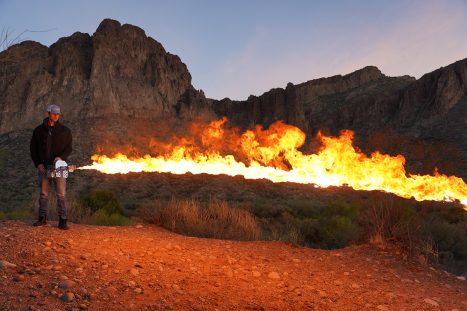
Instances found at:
x=53 y=109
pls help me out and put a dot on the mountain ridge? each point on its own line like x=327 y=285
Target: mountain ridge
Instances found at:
x=119 y=75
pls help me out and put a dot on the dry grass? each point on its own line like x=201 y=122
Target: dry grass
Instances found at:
x=215 y=220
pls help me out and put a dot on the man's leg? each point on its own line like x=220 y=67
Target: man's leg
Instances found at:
x=60 y=189
x=44 y=184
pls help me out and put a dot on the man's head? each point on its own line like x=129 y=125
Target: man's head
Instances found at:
x=54 y=112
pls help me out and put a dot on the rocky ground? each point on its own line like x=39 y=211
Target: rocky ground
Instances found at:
x=144 y=267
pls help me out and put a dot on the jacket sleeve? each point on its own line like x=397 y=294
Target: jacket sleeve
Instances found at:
x=34 y=149
x=67 y=146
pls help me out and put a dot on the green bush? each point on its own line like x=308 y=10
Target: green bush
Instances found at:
x=103 y=218
x=2 y=215
x=19 y=215
x=98 y=207
x=103 y=200
x=447 y=228
x=331 y=225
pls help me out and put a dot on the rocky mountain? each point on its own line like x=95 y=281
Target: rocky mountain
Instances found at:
x=119 y=87
x=424 y=119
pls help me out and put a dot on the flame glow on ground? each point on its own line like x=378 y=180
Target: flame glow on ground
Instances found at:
x=273 y=154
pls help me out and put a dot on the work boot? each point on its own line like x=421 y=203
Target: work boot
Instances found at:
x=41 y=222
x=62 y=224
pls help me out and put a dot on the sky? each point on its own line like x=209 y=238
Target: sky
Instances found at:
x=242 y=47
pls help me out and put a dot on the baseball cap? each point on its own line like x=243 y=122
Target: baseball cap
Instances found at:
x=53 y=109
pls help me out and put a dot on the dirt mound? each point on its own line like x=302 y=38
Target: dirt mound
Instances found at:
x=145 y=267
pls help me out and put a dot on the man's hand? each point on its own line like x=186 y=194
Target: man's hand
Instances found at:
x=41 y=168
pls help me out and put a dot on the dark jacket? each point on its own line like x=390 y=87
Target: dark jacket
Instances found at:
x=50 y=142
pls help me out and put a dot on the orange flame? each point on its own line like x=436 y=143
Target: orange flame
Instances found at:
x=273 y=154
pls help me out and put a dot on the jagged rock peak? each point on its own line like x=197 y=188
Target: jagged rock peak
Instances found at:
x=110 y=26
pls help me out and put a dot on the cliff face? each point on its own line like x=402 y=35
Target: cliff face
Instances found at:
x=425 y=119
x=337 y=102
x=119 y=87
x=118 y=71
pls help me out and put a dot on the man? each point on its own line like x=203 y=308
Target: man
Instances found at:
x=51 y=141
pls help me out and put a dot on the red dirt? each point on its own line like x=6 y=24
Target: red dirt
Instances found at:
x=149 y=268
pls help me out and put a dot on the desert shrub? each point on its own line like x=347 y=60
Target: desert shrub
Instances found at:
x=447 y=228
x=304 y=209
x=102 y=200
x=436 y=231
x=327 y=225
x=98 y=207
x=263 y=208
x=388 y=220
x=19 y=215
x=312 y=223
x=335 y=231
x=102 y=218
x=77 y=211
x=283 y=227
x=2 y=215
x=216 y=219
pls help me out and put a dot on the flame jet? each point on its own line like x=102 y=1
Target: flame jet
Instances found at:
x=274 y=154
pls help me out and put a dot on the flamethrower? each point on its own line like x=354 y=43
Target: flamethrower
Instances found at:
x=60 y=169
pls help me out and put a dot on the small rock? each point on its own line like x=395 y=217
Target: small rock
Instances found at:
x=274 y=275
x=134 y=271
x=68 y=297
x=382 y=308
x=355 y=286
x=138 y=290
x=338 y=283
x=139 y=226
x=431 y=302
x=47 y=243
x=6 y=264
x=462 y=278
x=256 y=274
x=18 y=278
x=66 y=284
x=131 y=284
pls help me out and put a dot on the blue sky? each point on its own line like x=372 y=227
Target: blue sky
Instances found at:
x=237 y=48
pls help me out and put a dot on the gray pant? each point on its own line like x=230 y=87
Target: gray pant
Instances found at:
x=60 y=188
